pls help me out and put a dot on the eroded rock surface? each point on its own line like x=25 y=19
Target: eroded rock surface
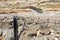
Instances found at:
x=37 y=26
x=41 y=19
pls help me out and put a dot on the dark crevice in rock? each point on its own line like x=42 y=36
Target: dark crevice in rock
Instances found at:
x=42 y=33
x=1 y=34
x=24 y=33
x=32 y=35
x=36 y=23
x=29 y=23
x=3 y=13
x=45 y=33
x=13 y=12
x=20 y=25
x=11 y=22
x=34 y=8
x=43 y=2
x=49 y=33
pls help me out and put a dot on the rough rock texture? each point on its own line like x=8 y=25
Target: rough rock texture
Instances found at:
x=41 y=18
x=44 y=26
x=41 y=4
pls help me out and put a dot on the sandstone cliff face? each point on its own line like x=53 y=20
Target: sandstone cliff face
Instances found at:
x=41 y=4
x=38 y=26
x=41 y=17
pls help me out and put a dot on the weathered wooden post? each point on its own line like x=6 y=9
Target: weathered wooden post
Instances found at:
x=15 y=24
